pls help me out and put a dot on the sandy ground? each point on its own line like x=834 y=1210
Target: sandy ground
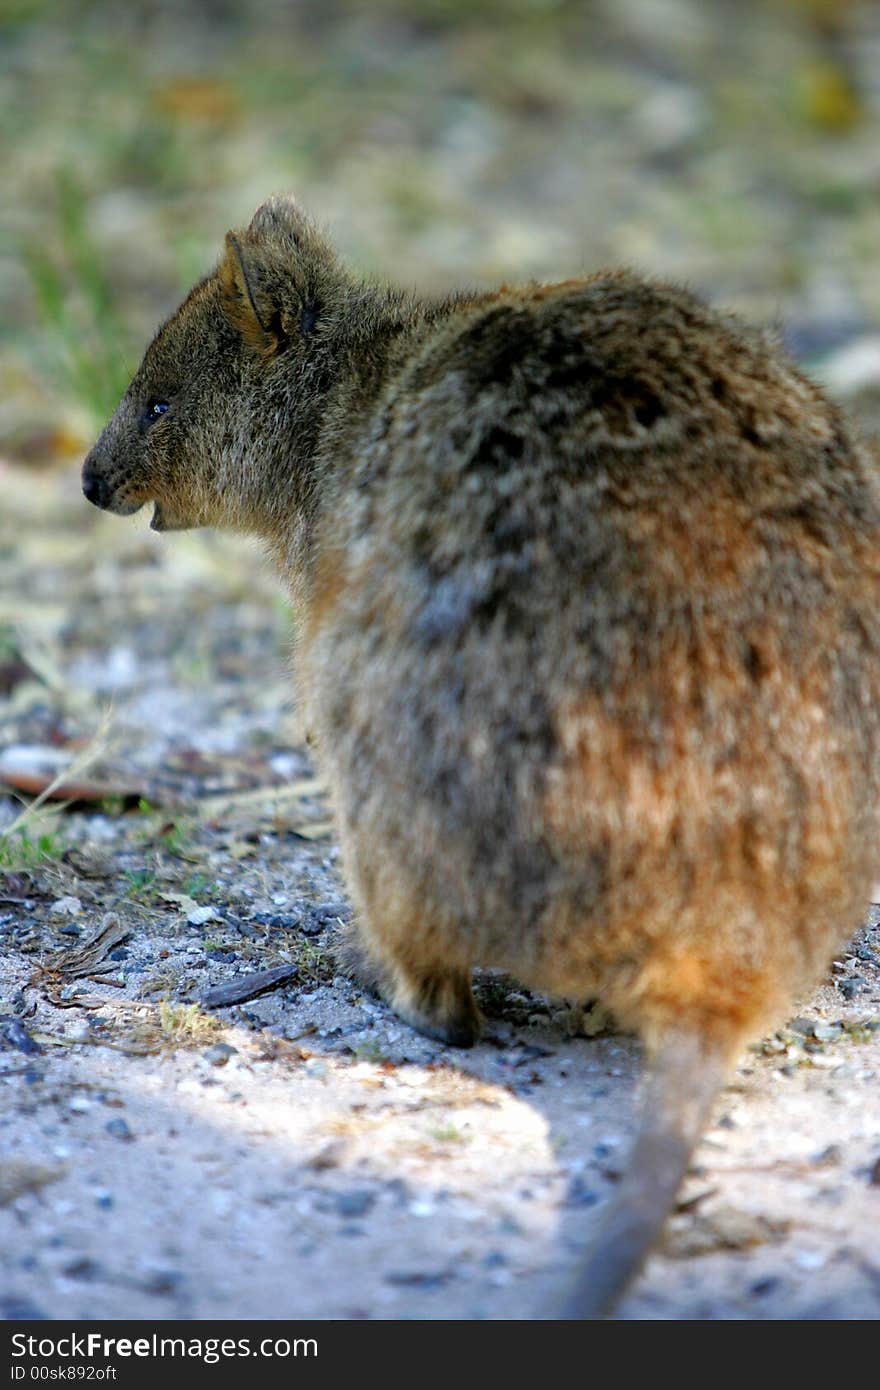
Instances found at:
x=319 y=1160
x=303 y=1153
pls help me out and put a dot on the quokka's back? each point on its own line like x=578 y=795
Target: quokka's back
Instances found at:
x=590 y=641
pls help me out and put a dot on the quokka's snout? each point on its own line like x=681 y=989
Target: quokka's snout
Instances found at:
x=95 y=488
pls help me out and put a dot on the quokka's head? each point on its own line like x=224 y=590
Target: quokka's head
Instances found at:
x=247 y=346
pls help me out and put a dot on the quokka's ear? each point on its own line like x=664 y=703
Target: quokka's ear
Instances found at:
x=282 y=230
x=278 y=222
x=272 y=269
x=248 y=297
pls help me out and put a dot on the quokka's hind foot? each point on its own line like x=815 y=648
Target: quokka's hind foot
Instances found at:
x=440 y=1004
x=435 y=1000
x=434 y=997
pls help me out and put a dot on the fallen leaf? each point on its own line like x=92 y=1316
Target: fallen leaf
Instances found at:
x=40 y=784
x=181 y=900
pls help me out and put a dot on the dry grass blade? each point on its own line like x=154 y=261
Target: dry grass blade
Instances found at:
x=86 y=759
x=213 y=806
x=172 y=1026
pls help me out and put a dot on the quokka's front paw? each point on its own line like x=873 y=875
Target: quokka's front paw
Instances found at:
x=351 y=955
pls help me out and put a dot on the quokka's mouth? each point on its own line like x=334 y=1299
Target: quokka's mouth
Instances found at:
x=122 y=508
x=165 y=520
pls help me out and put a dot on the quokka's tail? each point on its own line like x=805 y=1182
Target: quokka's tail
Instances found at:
x=686 y=1078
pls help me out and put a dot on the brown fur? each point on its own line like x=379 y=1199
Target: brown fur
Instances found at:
x=588 y=584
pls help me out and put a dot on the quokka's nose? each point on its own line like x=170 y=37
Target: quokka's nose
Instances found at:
x=95 y=488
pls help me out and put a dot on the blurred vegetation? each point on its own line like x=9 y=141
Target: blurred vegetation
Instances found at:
x=77 y=306
x=732 y=143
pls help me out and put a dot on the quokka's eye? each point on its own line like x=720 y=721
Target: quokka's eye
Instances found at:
x=154 y=409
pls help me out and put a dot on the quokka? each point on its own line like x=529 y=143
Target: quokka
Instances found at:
x=588 y=601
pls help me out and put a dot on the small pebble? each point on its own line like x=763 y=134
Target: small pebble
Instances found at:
x=14 y=1034
x=330 y=1155
x=419 y=1278
x=579 y=1194
x=317 y=918
x=200 y=915
x=422 y=1208
x=530 y=1052
x=804 y=1026
x=118 y=1128
x=810 y=1259
x=163 y=1282
x=65 y=907
x=356 y=1202
x=84 y=1268
x=509 y=1227
x=827 y=1032
x=829 y=1156
x=762 y=1287
x=15 y=1309
x=246 y=930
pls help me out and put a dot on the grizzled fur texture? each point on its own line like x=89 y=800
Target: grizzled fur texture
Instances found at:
x=587 y=577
